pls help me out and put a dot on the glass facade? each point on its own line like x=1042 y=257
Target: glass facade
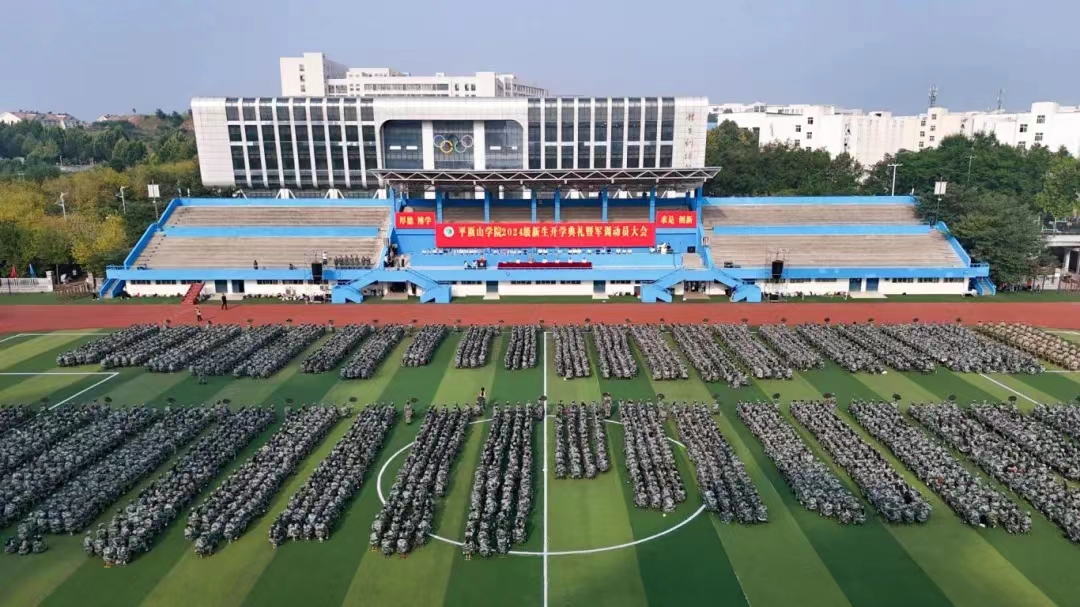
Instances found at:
x=401 y=144
x=454 y=144
x=325 y=142
x=504 y=140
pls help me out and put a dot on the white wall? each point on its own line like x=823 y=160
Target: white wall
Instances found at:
x=177 y=290
x=212 y=142
x=585 y=288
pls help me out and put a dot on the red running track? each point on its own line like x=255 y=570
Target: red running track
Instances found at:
x=21 y=319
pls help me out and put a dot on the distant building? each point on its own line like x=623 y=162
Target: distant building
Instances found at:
x=870 y=136
x=314 y=75
x=132 y=118
x=46 y=118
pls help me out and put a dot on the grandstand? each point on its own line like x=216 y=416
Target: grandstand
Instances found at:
x=809 y=214
x=867 y=246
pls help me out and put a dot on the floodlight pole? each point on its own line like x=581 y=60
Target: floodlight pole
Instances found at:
x=894 y=167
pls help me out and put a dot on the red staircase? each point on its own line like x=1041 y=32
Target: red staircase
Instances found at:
x=192 y=296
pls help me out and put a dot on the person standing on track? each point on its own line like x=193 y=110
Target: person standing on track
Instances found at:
x=224 y=302
x=198 y=314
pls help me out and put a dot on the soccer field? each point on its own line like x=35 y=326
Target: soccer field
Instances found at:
x=588 y=544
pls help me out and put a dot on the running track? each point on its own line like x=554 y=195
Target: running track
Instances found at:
x=16 y=319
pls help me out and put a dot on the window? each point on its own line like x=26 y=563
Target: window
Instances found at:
x=232 y=112
x=1038 y=136
x=933 y=127
x=830 y=280
x=1040 y=119
x=299 y=112
x=165 y=282
x=929 y=280
x=521 y=282
x=931 y=138
x=933 y=116
x=953 y=280
x=921 y=144
x=922 y=133
x=140 y=282
x=796 y=281
x=809 y=135
x=292 y=282
x=1022 y=145
x=569 y=282
x=1023 y=128
x=810 y=120
x=902 y=280
x=798 y=128
x=266 y=282
x=922 y=122
x=234 y=133
x=798 y=143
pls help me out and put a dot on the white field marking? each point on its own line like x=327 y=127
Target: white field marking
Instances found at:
x=1020 y=394
x=81 y=392
x=11 y=337
x=1062 y=332
x=545 y=469
x=545 y=552
x=1060 y=371
x=60 y=373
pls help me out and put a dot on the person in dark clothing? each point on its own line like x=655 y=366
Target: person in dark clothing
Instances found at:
x=224 y=302
x=255 y=264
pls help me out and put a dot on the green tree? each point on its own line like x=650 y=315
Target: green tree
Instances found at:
x=998 y=229
x=1061 y=188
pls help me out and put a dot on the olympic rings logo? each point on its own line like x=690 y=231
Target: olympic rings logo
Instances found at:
x=451 y=144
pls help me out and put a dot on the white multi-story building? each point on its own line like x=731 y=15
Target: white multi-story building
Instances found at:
x=334 y=142
x=314 y=75
x=870 y=136
x=63 y=121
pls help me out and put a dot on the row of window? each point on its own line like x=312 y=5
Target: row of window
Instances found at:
x=622 y=121
x=300 y=109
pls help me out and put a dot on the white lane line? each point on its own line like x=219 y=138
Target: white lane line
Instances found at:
x=1020 y=394
x=59 y=373
x=1060 y=371
x=545 y=467
x=81 y=392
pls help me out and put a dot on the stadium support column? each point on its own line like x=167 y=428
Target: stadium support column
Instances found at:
x=557 y=205
x=652 y=204
x=603 y=204
x=439 y=195
x=532 y=196
x=699 y=202
x=487 y=205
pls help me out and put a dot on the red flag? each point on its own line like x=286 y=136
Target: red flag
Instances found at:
x=13 y=274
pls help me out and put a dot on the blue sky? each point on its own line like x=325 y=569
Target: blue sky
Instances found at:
x=88 y=58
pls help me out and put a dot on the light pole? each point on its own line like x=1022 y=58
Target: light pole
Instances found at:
x=939 y=191
x=894 y=167
x=123 y=203
x=63 y=207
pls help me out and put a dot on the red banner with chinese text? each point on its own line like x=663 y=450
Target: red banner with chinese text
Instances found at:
x=561 y=235
x=415 y=220
x=676 y=219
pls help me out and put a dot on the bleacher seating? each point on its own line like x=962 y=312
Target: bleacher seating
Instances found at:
x=459 y=213
x=809 y=214
x=926 y=250
x=589 y=213
x=279 y=216
x=615 y=213
x=165 y=251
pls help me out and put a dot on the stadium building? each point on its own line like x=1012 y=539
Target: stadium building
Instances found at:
x=435 y=198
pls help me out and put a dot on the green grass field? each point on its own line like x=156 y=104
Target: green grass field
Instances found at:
x=797 y=559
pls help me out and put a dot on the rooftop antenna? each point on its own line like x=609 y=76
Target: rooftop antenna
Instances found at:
x=1001 y=100
x=933 y=95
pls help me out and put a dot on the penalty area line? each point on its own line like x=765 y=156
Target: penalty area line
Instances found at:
x=81 y=392
x=1020 y=394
